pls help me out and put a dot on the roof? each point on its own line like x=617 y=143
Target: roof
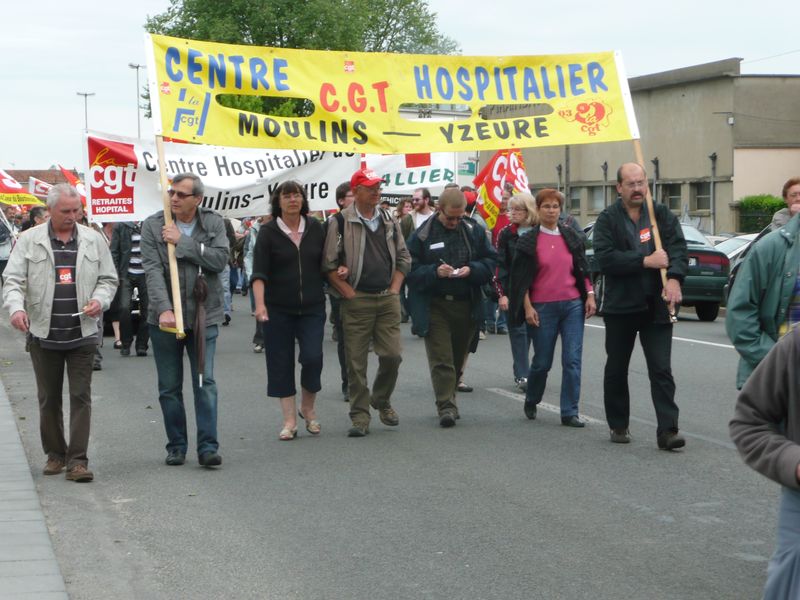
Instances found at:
x=729 y=67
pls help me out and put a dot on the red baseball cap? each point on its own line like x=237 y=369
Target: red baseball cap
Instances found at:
x=366 y=177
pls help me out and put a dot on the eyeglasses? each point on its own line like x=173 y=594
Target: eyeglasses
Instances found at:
x=632 y=185
x=518 y=209
x=180 y=195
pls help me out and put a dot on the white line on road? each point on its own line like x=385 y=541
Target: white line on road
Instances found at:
x=682 y=339
x=555 y=409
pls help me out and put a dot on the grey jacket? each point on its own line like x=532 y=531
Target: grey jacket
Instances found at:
x=207 y=248
x=29 y=278
x=352 y=243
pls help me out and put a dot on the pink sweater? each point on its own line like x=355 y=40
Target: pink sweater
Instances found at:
x=554 y=281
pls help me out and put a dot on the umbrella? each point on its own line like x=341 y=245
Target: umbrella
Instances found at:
x=200 y=294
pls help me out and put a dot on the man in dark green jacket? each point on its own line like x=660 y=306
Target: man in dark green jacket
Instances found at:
x=632 y=300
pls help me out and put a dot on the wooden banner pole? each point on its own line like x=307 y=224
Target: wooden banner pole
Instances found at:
x=651 y=211
x=177 y=305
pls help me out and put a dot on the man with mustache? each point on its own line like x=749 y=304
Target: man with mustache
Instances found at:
x=632 y=300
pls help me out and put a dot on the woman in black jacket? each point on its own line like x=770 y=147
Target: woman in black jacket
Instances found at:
x=290 y=303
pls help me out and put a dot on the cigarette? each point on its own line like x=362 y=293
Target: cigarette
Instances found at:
x=77 y=314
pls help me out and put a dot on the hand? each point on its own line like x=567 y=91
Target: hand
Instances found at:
x=19 y=320
x=502 y=303
x=657 y=260
x=531 y=316
x=167 y=320
x=463 y=272
x=261 y=313
x=591 y=306
x=342 y=272
x=444 y=270
x=672 y=293
x=171 y=233
x=92 y=309
x=348 y=294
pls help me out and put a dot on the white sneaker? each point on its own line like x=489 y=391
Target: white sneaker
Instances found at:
x=481 y=335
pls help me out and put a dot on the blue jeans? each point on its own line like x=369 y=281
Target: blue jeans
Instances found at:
x=168 y=353
x=520 y=349
x=565 y=318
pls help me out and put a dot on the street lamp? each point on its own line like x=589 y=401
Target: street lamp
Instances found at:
x=85 y=108
x=138 y=118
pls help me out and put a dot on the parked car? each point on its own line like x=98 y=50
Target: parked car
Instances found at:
x=705 y=281
x=735 y=246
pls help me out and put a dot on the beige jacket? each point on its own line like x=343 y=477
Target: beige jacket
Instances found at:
x=29 y=279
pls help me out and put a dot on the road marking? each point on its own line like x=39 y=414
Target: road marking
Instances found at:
x=682 y=339
x=555 y=409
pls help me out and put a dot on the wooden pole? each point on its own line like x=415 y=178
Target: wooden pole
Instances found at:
x=177 y=305
x=651 y=211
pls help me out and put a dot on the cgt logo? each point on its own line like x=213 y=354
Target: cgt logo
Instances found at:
x=112 y=168
x=592 y=116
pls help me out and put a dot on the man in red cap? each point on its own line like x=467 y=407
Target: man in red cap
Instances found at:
x=366 y=260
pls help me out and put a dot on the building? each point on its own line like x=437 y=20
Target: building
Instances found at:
x=709 y=134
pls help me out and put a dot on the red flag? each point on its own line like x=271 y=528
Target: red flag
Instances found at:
x=12 y=192
x=75 y=181
x=506 y=166
x=37 y=187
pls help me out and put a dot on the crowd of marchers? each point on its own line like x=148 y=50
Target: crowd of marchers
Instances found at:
x=435 y=264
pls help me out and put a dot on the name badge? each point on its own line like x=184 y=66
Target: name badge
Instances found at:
x=437 y=246
x=65 y=275
x=644 y=235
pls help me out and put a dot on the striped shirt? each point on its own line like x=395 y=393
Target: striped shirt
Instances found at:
x=65 y=329
x=135 y=262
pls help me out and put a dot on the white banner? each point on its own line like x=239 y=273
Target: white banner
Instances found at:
x=405 y=173
x=123 y=183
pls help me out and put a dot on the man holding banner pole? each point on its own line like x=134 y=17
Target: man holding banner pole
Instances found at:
x=633 y=300
x=201 y=252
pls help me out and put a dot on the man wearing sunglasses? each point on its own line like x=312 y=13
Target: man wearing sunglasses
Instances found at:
x=451 y=258
x=201 y=250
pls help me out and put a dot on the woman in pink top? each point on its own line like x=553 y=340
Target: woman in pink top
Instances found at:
x=551 y=292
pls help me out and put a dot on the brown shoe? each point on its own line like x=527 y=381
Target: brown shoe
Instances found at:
x=54 y=466
x=80 y=474
x=389 y=416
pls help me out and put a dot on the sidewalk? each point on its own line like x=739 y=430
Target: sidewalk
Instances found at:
x=28 y=566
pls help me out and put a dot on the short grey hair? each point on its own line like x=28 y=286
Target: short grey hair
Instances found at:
x=197 y=184
x=55 y=193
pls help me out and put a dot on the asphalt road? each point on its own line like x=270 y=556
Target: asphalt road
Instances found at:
x=497 y=507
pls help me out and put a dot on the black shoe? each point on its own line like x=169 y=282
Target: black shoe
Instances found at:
x=210 y=459
x=671 y=440
x=572 y=421
x=530 y=410
x=620 y=436
x=227 y=321
x=141 y=353
x=175 y=458
x=447 y=420
x=97 y=366
x=125 y=351
x=358 y=430
x=502 y=331
x=464 y=388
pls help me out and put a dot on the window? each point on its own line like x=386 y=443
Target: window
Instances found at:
x=575 y=199
x=702 y=195
x=597 y=200
x=671 y=195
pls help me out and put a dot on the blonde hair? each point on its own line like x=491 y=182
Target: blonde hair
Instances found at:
x=526 y=201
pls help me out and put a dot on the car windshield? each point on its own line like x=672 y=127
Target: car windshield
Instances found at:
x=732 y=244
x=694 y=237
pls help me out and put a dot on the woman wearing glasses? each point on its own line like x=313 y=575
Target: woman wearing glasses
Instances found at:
x=549 y=289
x=290 y=304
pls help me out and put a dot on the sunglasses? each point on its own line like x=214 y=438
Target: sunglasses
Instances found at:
x=180 y=195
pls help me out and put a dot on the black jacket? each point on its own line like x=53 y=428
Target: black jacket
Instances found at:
x=525 y=266
x=121 y=247
x=292 y=276
x=621 y=264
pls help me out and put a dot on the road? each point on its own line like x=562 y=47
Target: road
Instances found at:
x=497 y=507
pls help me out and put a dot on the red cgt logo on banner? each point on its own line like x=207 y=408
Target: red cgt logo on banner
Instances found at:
x=112 y=172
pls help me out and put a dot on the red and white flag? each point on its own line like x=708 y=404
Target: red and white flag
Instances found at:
x=505 y=167
x=12 y=192
x=38 y=188
x=75 y=182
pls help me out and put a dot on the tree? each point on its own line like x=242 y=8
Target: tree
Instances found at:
x=406 y=26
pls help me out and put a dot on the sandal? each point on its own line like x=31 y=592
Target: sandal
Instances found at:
x=117 y=344
x=287 y=434
x=312 y=425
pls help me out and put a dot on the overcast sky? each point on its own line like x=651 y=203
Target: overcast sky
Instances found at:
x=50 y=50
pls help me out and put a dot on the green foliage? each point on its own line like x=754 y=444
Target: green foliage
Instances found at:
x=755 y=212
x=406 y=26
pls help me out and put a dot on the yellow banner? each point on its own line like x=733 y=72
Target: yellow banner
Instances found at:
x=565 y=99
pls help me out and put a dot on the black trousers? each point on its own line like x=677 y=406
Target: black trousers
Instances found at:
x=656 y=340
x=126 y=331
